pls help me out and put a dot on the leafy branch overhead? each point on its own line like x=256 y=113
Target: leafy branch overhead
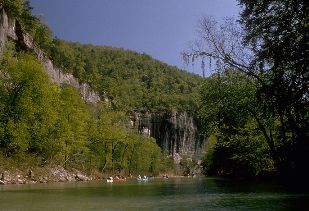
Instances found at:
x=269 y=45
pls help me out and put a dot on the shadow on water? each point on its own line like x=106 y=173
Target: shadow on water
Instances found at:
x=158 y=194
x=267 y=195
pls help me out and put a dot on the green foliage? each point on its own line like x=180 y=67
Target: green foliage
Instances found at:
x=241 y=155
x=236 y=147
x=131 y=80
x=41 y=33
x=13 y=7
x=188 y=166
x=39 y=119
x=225 y=102
x=21 y=11
x=74 y=119
x=208 y=160
x=27 y=103
x=53 y=124
x=279 y=30
x=269 y=44
x=119 y=150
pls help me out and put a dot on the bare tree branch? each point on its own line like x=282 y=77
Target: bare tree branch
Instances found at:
x=225 y=45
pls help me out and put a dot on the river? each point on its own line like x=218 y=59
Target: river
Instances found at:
x=157 y=194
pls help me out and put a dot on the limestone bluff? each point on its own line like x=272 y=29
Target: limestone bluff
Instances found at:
x=176 y=132
x=10 y=29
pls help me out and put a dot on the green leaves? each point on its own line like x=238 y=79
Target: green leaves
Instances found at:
x=225 y=100
x=236 y=145
x=27 y=99
x=55 y=124
x=131 y=80
x=270 y=48
x=13 y=7
x=118 y=149
x=281 y=30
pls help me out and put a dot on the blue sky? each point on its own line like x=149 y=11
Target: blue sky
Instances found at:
x=160 y=28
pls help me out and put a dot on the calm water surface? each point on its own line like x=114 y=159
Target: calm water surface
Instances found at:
x=157 y=194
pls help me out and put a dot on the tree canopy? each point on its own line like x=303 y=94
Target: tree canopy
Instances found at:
x=54 y=125
x=131 y=80
x=279 y=34
x=269 y=44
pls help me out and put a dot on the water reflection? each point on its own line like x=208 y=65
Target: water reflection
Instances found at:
x=157 y=194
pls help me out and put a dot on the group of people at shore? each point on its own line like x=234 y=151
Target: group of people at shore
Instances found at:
x=139 y=178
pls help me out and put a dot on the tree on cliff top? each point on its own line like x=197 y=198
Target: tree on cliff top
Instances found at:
x=13 y=7
x=21 y=10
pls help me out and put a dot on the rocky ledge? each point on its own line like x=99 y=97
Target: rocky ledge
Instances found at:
x=43 y=175
x=10 y=29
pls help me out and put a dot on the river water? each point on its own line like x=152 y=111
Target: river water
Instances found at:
x=157 y=194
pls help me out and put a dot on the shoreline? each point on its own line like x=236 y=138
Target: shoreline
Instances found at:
x=57 y=174
x=47 y=174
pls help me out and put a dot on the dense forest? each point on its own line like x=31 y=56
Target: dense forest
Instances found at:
x=43 y=124
x=130 y=80
x=253 y=108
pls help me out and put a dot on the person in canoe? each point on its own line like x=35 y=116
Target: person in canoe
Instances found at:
x=165 y=176
x=110 y=179
x=120 y=178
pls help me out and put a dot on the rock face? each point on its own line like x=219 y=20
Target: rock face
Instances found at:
x=176 y=132
x=42 y=175
x=10 y=29
x=7 y=29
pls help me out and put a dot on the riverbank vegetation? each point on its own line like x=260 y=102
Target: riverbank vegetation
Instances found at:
x=131 y=80
x=255 y=107
x=52 y=124
x=43 y=124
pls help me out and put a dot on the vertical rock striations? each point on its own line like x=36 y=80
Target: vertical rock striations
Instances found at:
x=176 y=132
x=7 y=29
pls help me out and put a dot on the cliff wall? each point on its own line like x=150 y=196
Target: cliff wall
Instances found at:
x=176 y=132
x=10 y=29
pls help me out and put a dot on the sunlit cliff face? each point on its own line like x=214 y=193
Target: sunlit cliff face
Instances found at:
x=175 y=132
x=10 y=29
